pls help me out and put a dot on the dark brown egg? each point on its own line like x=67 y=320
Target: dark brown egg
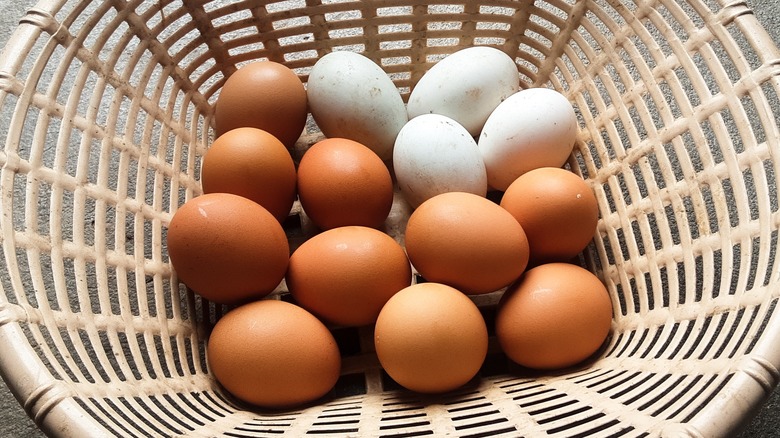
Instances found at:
x=265 y=95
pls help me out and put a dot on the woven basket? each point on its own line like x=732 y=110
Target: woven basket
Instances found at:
x=107 y=109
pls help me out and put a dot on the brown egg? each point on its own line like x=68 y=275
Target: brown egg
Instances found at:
x=556 y=316
x=273 y=354
x=254 y=164
x=265 y=95
x=342 y=182
x=431 y=338
x=467 y=242
x=227 y=248
x=345 y=275
x=557 y=210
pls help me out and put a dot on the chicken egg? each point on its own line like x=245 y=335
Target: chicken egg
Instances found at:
x=273 y=354
x=266 y=95
x=254 y=164
x=556 y=316
x=557 y=209
x=345 y=275
x=342 y=182
x=466 y=241
x=227 y=248
x=430 y=338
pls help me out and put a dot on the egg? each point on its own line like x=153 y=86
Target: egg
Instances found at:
x=467 y=242
x=227 y=248
x=430 y=338
x=466 y=86
x=345 y=275
x=434 y=154
x=351 y=97
x=342 y=182
x=532 y=128
x=266 y=95
x=556 y=316
x=273 y=354
x=254 y=164
x=558 y=211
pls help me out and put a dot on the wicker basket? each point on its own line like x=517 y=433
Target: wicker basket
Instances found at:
x=107 y=108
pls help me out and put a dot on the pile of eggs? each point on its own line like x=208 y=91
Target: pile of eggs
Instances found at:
x=466 y=131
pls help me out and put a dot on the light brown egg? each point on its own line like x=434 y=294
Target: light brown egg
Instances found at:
x=227 y=248
x=431 y=338
x=345 y=275
x=558 y=211
x=556 y=316
x=254 y=164
x=466 y=241
x=265 y=95
x=342 y=182
x=273 y=354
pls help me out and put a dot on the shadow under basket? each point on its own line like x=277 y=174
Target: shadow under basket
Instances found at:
x=107 y=109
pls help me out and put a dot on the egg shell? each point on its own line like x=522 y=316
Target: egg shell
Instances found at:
x=351 y=97
x=342 y=182
x=254 y=164
x=467 y=242
x=266 y=95
x=227 y=248
x=345 y=275
x=558 y=211
x=273 y=354
x=434 y=154
x=431 y=338
x=532 y=128
x=556 y=316
x=466 y=86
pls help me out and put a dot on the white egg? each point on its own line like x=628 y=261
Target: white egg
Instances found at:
x=434 y=154
x=532 y=128
x=351 y=97
x=466 y=86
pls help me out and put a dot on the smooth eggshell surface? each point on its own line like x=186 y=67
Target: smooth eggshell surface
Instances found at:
x=342 y=182
x=466 y=241
x=434 y=154
x=466 y=86
x=254 y=164
x=264 y=95
x=558 y=211
x=352 y=97
x=345 y=275
x=532 y=128
x=227 y=248
x=273 y=354
x=556 y=316
x=431 y=338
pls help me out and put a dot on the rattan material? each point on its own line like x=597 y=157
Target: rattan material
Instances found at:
x=107 y=109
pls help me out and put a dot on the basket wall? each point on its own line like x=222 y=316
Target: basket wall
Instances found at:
x=107 y=109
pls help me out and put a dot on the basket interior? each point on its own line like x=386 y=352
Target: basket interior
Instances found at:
x=107 y=108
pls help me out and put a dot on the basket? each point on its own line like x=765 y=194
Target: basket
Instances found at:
x=107 y=109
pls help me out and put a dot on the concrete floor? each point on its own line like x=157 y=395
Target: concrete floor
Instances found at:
x=15 y=423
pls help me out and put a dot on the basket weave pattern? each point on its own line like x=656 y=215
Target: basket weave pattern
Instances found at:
x=107 y=109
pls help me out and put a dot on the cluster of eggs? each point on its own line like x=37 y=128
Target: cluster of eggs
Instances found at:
x=467 y=130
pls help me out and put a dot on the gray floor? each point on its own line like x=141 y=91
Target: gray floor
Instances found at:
x=15 y=423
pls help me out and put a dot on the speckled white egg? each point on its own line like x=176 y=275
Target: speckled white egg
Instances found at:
x=434 y=154
x=532 y=128
x=466 y=86
x=351 y=97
